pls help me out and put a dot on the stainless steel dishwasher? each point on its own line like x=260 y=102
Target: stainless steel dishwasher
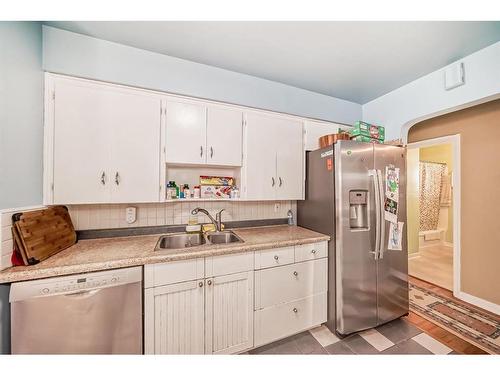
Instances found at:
x=92 y=313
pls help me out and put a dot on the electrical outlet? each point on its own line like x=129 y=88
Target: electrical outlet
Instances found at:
x=277 y=207
x=131 y=214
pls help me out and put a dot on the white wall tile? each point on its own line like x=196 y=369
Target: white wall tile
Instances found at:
x=151 y=214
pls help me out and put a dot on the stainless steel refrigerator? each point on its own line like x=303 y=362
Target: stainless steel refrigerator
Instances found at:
x=346 y=199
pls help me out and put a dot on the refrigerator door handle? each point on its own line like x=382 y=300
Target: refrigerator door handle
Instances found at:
x=382 y=221
x=373 y=173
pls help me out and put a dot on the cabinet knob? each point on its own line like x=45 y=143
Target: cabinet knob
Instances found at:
x=200 y=284
x=209 y=282
x=313 y=251
x=276 y=257
x=273 y=182
x=295 y=310
x=281 y=181
x=103 y=178
x=117 y=179
x=295 y=273
x=211 y=151
x=201 y=151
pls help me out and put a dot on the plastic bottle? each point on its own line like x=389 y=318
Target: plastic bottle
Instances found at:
x=187 y=193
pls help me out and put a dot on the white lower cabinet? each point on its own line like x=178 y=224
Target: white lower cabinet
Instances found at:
x=231 y=303
x=174 y=321
x=289 y=318
x=229 y=313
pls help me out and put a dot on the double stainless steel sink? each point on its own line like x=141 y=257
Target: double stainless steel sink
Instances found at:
x=187 y=240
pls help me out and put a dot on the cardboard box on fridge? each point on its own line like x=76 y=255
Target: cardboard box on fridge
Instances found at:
x=368 y=130
x=362 y=138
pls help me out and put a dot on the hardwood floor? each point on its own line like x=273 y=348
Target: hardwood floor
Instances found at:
x=433 y=264
x=458 y=344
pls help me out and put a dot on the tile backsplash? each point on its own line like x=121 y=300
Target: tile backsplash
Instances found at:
x=104 y=216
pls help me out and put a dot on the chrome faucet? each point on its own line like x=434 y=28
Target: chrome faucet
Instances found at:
x=217 y=222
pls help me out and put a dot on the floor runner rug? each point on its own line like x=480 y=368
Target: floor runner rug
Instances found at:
x=472 y=325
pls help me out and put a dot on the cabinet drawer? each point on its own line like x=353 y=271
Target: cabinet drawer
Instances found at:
x=311 y=251
x=290 y=282
x=228 y=264
x=274 y=257
x=283 y=320
x=174 y=272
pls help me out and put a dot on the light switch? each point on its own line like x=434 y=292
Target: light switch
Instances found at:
x=131 y=214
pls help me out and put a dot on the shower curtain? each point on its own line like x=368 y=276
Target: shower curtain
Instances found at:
x=430 y=190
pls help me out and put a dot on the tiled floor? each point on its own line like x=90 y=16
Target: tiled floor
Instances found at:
x=397 y=337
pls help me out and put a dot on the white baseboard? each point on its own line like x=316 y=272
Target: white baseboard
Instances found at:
x=479 y=302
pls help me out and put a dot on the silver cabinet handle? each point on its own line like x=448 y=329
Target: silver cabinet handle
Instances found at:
x=103 y=178
x=276 y=257
x=200 y=284
x=209 y=282
x=273 y=183
x=295 y=310
x=295 y=273
x=281 y=181
x=211 y=152
x=201 y=151
x=117 y=179
x=313 y=251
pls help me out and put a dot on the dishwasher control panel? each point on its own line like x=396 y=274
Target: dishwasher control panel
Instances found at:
x=80 y=283
x=74 y=283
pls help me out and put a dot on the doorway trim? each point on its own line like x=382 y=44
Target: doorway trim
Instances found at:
x=454 y=140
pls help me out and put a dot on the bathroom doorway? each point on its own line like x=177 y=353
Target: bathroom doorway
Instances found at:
x=433 y=211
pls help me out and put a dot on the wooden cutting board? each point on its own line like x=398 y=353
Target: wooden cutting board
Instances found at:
x=43 y=233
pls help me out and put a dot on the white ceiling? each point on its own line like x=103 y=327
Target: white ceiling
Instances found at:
x=357 y=61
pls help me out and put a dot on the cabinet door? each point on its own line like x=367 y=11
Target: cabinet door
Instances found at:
x=316 y=129
x=289 y=160
x=135 y=145
x=260 y=155
x=174 y=319
x=186 y=132
x=224 y=132
x=229 y=313
x=82 y=117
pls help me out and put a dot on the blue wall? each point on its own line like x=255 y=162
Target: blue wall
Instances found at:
x=21 y=114
x=79 y=55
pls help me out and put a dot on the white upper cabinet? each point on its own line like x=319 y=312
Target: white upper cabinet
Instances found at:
x=135 y=149
x=81 y=149
x=224 y=136
x=316 y=129
x=260 y=155
x=197 y=133
x=274 y=157
x=105 y=144
x=186 y=132
x=289 y=160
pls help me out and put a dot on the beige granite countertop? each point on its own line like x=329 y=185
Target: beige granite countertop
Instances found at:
x=119 y=252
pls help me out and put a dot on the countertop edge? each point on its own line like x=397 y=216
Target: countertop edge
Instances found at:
x=156 y=258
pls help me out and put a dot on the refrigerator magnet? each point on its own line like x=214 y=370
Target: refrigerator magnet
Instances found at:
x=391 y=210
x=395 y=236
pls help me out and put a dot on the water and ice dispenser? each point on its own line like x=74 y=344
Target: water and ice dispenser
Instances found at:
x=358 y=209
